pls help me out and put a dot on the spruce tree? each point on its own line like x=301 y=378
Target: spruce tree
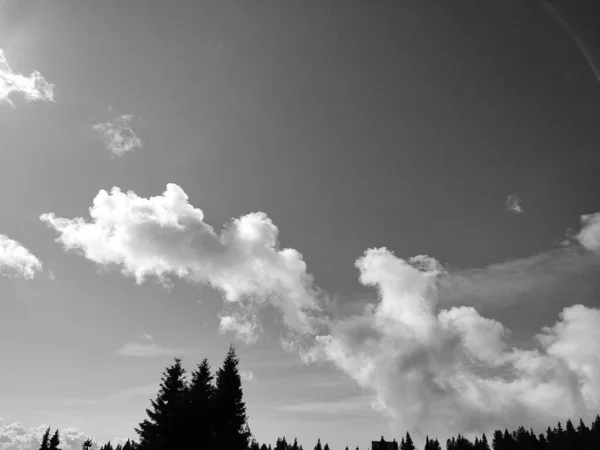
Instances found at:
x=87 y=445
x=199 y=407
x=231 y=430
x=46 y=440
x=162 y=430
x=483 y=443
x=326 y=446
x=55 y=441
x=318 y=446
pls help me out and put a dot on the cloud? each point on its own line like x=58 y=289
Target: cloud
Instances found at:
x=513 y=204
x=358 y=405
x=15 y=436
x=589 y=236
x=118 y=135
x=34 y=87
x=16 y=260
x=146 y=391
x=443 y=371
x=247 y=376
x=150 y=349
x=245 y=328
x=165 y=236
x=560 y=271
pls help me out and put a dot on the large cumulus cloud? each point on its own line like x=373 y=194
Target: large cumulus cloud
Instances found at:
x=166 y=236
x=440 y=371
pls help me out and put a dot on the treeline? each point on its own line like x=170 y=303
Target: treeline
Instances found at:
x=557 y=438
x=207 y=412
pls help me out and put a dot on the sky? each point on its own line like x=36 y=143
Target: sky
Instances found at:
x=392 y=208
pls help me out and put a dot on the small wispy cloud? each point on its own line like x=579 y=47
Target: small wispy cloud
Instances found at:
x=33 y=87
x=16 y=260
x=143 y=391
x=119 y=137
x=514 y=204
x=361 y=405
x=149 y=348
x=246 y=329
x=247 y=375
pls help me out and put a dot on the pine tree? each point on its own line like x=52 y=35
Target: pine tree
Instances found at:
x=326 y=447
x=162 y=430
x=295 y=444
x=55 y=441
x=46 y=440
x=200 y=405
x=87 y=445
x=263 y=447
x=231 y=430
x=318 y=446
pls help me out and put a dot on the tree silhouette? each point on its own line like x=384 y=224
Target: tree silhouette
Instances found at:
x=55 y=441
x=231 y=428
x=162 y=429
x=407 y=443
x=46 y=440
x=318 y=446
x=199 y=407
x=87 y=445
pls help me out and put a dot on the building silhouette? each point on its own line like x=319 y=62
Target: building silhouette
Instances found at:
x=382 y=444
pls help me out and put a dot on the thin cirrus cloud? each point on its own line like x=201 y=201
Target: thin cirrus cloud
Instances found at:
x=148 y=348
x=15 y=436
x=450 y=368
x=119 y=138
x=33 y=87
x=16 y=260
x=144 y=391
x=165 y=236
x=514 y=204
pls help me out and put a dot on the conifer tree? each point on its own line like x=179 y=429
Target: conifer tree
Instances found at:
x=407 y=443
x=46 y=440
x=162 y=430
x=263 y=447
x=55 y=441
x=87 y=445
x=326 y=447
x=483 y=443
x=200 y=405
x=318 y=446
x=295 y=444
x=231 y=430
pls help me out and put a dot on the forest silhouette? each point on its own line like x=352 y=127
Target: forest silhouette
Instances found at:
x=208 y=412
